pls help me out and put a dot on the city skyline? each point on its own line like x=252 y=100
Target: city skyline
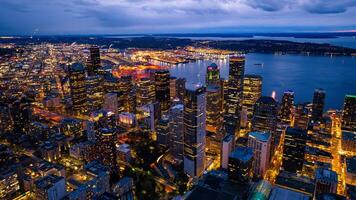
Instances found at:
x=187 y=16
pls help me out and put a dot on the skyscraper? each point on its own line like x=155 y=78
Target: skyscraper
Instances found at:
x=77 y=88
x=94 y=92
x=285 y=113
x=145 y=93
x=212 y=75
x=301 y=116
x=349 y=113
x=265 y=115
x=240 y=165
x=252 y=91
x=294 y=149
x=173 y=87
x=180 y=88
x=234 y=94
x=176 y=131
x=261 y=145
x=126 y=95
x=227 y=147
x=194 y=130
x=318 y=105
x=106 y=146
x=94 y=61
x=163 y=131
x=162 y=79
x=213 y=108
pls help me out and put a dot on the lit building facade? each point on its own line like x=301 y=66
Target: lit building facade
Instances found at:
x=287 y=104
x=107 y=146
x=77 y=88
x=94 y=61
x=240 y=165
x=94 y=93
x=349 y=113
x=176 y=131
x=227 y=147
x=212 y=75
x=162 y=83
x=194 y=117
x=145 y=92
x=252 y=91
x=163 y=131
x=261 y=144
x=318 y=105
x=213 y=108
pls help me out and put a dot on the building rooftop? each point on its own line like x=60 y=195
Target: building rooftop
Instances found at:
x=348 y=135
x=193 y=86
x=351 y=96
x=77 y=67
x=279 y=193
x=351 y=165
x=47 y=182
x=326 y=174
x=242 y=153
x=261 y=136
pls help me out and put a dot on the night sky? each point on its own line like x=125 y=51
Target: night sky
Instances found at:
x=42 y=17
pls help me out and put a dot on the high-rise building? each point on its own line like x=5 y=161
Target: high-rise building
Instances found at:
x=110 y=103
x=213 y=108
x=145 y=92
x=194 y=117
x=240 y=165
x=180 y=88
x=107 y=146
x=234 y=94
x=318 y=105
x=226 y=148
x=77 y=88
x=50 y=187
x=212 y=75
x=94 y=61
x=252 y=91
x=349 y=113
x=261 y=144
x=285 y=113
x=264 y=117
x=294 y=149
x=126 y=95
x=301 y=116
x=176 y=132
x=9 y=184
x=163 y=131
x=94 y=93
x=325 y=181
x=173 y=87
x=162 y=79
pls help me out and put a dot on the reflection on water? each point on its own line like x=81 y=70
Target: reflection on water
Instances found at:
x=282 y=72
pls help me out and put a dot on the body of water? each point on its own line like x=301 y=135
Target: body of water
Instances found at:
x=302 y=74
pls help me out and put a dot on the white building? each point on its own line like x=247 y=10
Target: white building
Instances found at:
x=260 y=142
x=226 y=148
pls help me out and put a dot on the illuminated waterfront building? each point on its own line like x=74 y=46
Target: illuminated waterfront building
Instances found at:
x=213 y=108
x=264 y=118
x=294 y=150
x=240 y=165
x=349 y=113
x=252 y=91
x=261 y=145
x=162 y=79
x=176 y=131
x=50 y=187
x=318 y=105
x=145 y=92
x=94 y=93
x=77 y=88
x=194 y=130
x=94 y=61
x=325 y=181
x=106 y=146
x=126 y=95
x=212 y=75
x=180 y=88
x=285 y=113
x=234 y=94
x=227 y=147
x=163 y=131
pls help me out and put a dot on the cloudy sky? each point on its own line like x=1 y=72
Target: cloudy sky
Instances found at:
x=174 y=16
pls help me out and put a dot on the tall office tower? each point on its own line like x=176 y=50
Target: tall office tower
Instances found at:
x=349 y=113
x=163 y=131
x=77 y=88
x=318 y=105
x=252 y=91
x=325 y=181
x=264 y=117
x=110 y=103
x=213 y=108
x=173 y=87
x=226 y=148
x=194 y=130
x=212 y=75
x=50 y=187
x=301 y=117
x=106 y=146
x=20 y=111
x=180 y=88
x=94 y=61
x=94 y=92
x=261 y=144
x=111 y=84
x=145 y=92
x=162 y=78
x=127 y=95
x=240 y=165
x=176 y=132
x=285 y=113
x=294 y=149
x=234 y=94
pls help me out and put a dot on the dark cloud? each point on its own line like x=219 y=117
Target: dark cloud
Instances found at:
x=328 y=6
x=269 y=5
